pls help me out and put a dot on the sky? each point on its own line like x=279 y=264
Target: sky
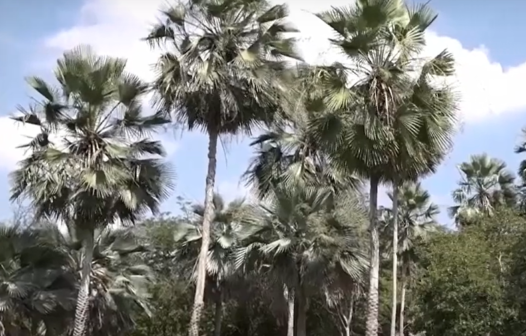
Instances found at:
x=491 y=68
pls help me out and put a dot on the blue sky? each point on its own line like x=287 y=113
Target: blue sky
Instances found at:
x=34 y=33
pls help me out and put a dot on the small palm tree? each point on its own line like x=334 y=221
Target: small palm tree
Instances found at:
x=298 y=241
x=118 y=280
x=219 y=76
x=93 y=163
x=225 y=233
x=35 y=296
x=416 y=217
x=26 y=300
x=485 y=184
x=521 y=191
x=521 y=148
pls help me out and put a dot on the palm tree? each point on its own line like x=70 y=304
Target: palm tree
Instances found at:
x=393 y=123
x=416 y=216
x=521 y=148
x=27 y=297
x=219 y=76
x=119 y=279
x=93 y=163
x=298 y=240
x=225 y=232
x=287 y=154
x=521 y=190
x=485 y=184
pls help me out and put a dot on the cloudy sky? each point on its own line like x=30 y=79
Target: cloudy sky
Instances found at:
x=491 y=69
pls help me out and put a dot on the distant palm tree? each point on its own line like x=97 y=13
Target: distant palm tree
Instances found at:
x=521 y=148
x=225 y=231
x=417 y=218
x=521 y=191
x=485 y=184
x=220 y=76
x=298 y=240
x=93 y=163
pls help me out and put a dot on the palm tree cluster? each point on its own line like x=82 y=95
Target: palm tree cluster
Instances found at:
x=314 y=237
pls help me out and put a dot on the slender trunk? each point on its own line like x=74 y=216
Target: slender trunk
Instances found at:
x=395 y=258
x=402 y=302
x=348 y=319
x=82 y=309
x=289 y=295
x=374 y=268
x=301 y=322
x=205 y=239
x=218 y=316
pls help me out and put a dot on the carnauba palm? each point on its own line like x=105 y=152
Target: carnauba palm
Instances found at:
x=387 y=119
x=220 y=73
x=93 y=162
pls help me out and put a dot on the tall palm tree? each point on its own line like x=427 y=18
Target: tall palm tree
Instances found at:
x=225 y=234
x=393 y=120
x=416 y=216
x=93 y=163
x=299 y=240
x=219 y=76
x=485 y=184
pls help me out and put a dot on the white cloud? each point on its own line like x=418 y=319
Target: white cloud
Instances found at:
x=113 y=28
x=487 y=88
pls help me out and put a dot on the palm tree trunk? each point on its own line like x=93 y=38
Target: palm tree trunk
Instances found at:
x=348 y=318
x=301 y=323
x=374 y=268
x=205 y=239
x=82 y=309
x=402 y=302
x=289 y=295
x=395 y=258
x=218 y=316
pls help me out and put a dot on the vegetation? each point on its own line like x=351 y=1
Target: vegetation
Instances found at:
x=312 y=253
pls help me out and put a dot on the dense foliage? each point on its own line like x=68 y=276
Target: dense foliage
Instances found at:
x=311 y=252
